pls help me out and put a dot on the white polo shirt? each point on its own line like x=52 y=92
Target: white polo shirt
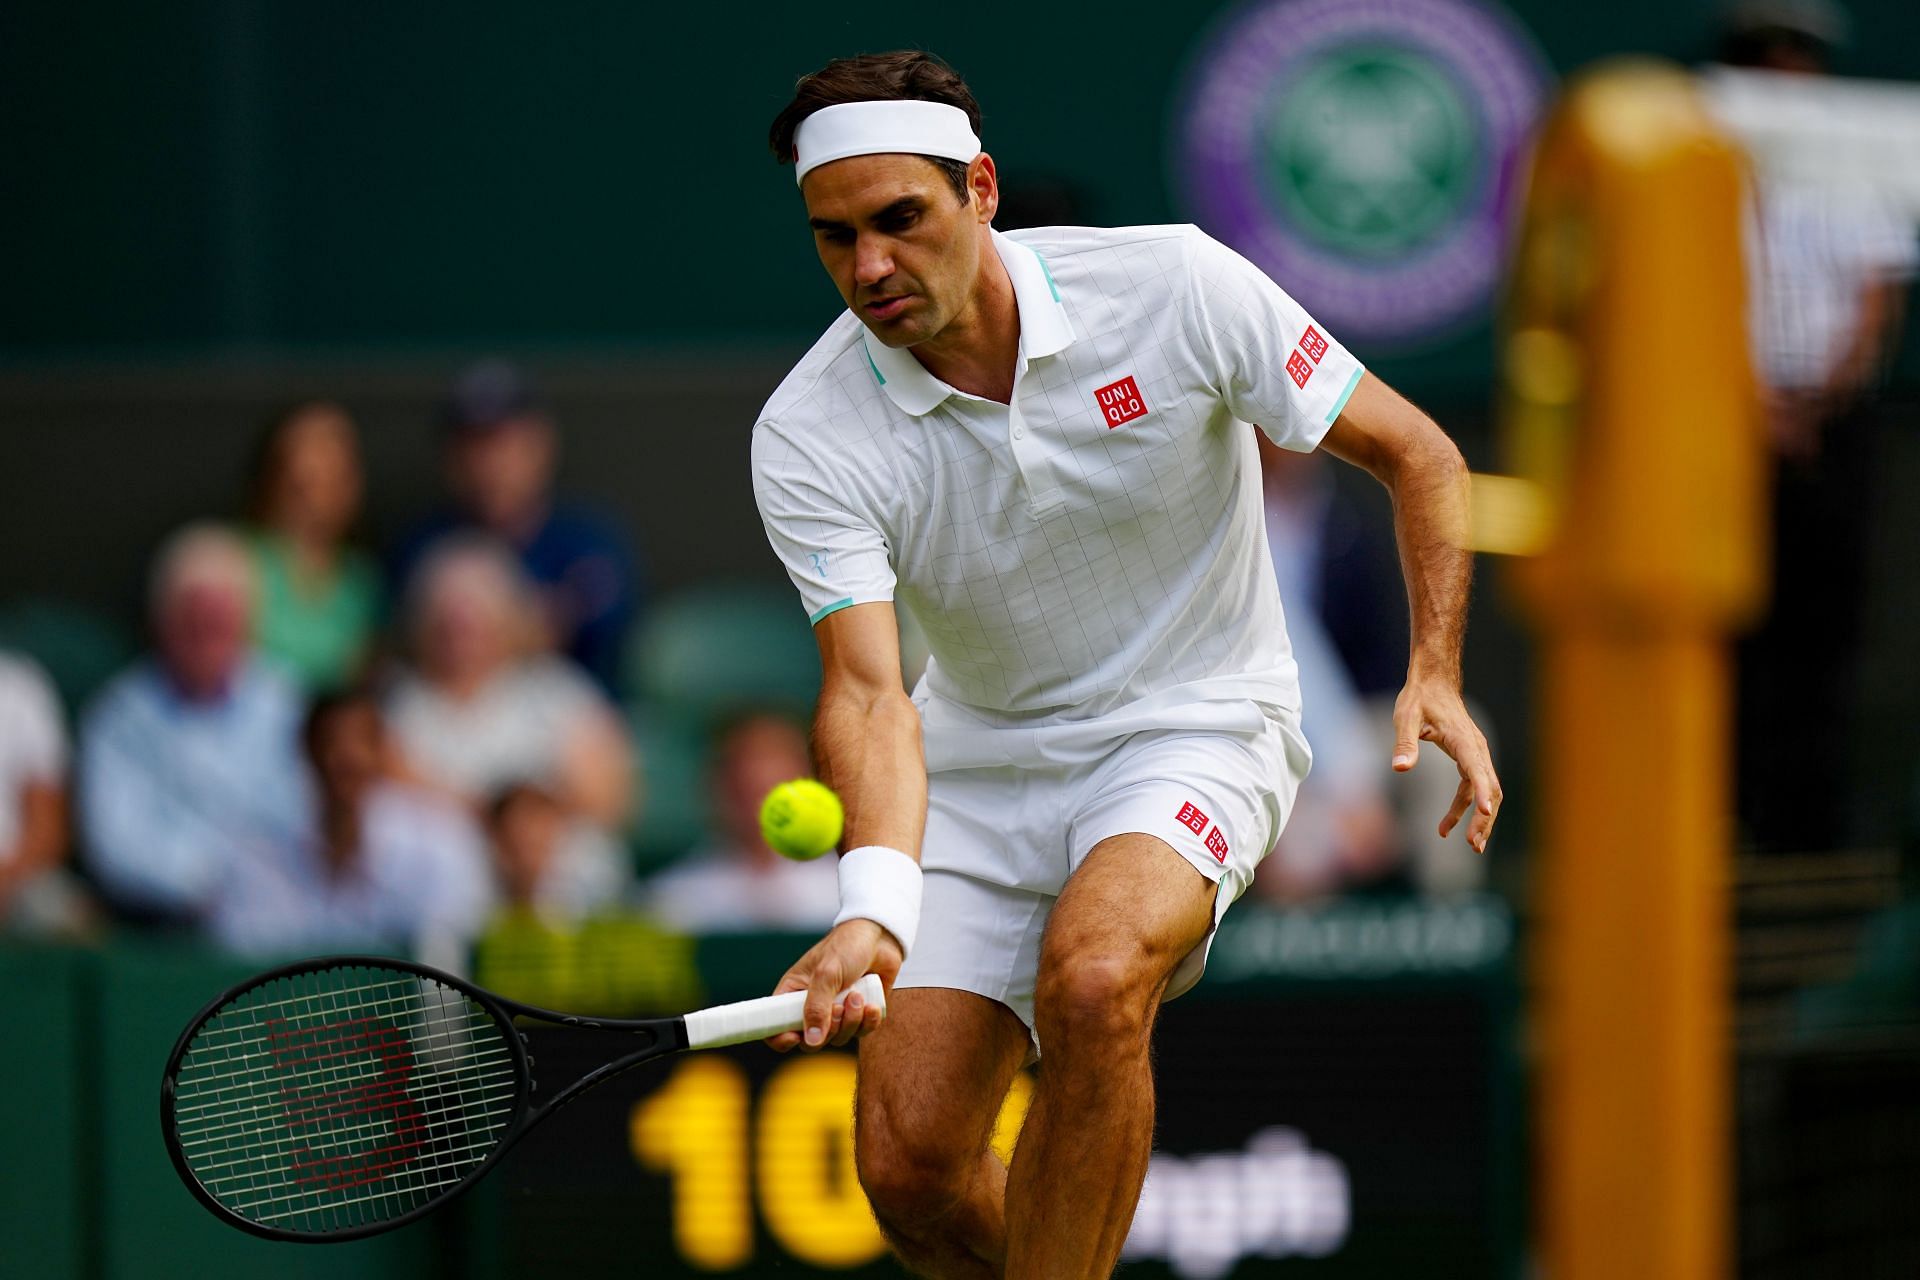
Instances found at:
x=1089 y=561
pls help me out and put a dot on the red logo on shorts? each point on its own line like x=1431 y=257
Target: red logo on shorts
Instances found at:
x=1120 y=402
x=1217 y=845
x=1191 y=818
x=1313 y=344
x=1298 y=369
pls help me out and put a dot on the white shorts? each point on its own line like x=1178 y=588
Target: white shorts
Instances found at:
x=1001 y=843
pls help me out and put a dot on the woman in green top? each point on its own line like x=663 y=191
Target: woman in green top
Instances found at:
x=319 y=597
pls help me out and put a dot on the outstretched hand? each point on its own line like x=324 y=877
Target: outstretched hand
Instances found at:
x=1430 y=709
x=830 y=966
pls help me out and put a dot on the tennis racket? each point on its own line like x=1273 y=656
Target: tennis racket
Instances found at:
x=339 y=1097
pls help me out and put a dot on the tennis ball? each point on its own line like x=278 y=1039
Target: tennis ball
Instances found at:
x=801 y=819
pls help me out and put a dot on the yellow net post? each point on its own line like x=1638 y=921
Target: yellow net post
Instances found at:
x=1635 y=455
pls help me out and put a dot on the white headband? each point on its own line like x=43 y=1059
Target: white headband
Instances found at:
x=909 y=126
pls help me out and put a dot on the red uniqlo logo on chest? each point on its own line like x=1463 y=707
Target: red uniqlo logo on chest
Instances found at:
x=1120 y=402
x=1298 y=369
x=1313 y=343
x=1217 y=845
x=1191 y=818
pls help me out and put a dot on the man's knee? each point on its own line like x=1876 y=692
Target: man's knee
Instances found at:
x=915 y=1172
x=1096 y=996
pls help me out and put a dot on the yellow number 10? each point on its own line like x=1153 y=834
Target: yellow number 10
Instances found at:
x=694 y=1129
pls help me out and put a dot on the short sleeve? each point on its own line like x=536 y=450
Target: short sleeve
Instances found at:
x=1275 y=365
x=31 y=724
x=835 y=555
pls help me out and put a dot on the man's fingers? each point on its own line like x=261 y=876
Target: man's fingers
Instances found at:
x=820 y=1006
x=784 y=1042
x=1462 y=798
x=847 y=1018
x=1407 y=724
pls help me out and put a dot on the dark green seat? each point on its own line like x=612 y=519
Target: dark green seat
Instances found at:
x=674 y=804
x=712 y=653
x=79 y=650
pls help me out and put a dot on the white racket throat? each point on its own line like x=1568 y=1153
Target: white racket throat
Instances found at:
x=750 y=1020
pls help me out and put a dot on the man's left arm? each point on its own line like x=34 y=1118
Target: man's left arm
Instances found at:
x=1408 y=453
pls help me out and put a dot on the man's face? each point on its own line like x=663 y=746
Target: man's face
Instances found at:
x=501 y=473
x=903 y=250
x=349 y=751
x=202 y=633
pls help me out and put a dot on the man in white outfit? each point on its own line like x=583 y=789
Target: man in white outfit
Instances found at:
x=1038 y=444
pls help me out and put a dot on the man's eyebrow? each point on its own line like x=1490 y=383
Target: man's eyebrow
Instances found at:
x=905 y=204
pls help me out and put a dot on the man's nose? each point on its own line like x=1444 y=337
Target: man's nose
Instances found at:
x=872 y=260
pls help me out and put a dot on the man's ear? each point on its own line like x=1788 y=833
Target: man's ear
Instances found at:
x=983 y=183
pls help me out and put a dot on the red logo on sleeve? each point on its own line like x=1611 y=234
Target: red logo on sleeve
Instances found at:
x=1313 y=343
x=1191 y=818
x=1298 y=369
x=1217 y=845
x=1120 y=402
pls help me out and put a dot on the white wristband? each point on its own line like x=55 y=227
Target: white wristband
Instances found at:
x=881 y=885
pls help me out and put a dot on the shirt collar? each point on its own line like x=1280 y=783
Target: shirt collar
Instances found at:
x=1045 y=330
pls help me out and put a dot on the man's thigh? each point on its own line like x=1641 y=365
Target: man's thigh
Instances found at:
x=931 y=1082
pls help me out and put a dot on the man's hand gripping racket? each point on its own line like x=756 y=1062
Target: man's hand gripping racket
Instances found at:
x=343 y=1096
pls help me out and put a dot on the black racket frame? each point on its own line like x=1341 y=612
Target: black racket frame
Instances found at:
x=669 y=1035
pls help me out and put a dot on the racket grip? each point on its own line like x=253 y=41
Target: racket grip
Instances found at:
x=767 y=1016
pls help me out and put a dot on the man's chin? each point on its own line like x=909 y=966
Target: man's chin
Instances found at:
x=898 y=334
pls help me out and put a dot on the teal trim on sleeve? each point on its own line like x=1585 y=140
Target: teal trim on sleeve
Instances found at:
x=879 y=376
x=835 y=607
x=1340 y=401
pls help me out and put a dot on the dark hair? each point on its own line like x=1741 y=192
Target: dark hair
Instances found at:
x=905 y=75
x=512 y=796
x=322 y=710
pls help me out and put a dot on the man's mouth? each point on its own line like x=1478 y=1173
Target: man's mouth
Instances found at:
x=887 y=308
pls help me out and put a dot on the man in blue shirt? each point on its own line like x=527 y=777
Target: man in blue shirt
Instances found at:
x=189 y=762
x=501 y=449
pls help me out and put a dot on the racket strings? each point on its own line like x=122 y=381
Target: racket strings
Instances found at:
x=338 y=1098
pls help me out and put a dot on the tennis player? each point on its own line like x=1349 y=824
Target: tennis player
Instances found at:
x=1038 y=443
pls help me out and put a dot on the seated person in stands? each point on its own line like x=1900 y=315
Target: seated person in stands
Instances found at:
x=189 y=760
x=35 y=896
x=736 y=882
x=319 y=597
x=382 y=863
x=544 y=862
x=483 y=708
x=501 y=449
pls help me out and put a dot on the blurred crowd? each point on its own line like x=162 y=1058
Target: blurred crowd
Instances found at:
x=323 y=749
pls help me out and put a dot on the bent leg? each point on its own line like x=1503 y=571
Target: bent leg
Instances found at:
x=1126 y=919
x=931 y=1084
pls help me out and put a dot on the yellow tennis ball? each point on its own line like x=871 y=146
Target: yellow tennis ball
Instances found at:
x=801 y=819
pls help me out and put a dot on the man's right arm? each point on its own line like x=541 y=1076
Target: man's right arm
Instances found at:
x=867 y=748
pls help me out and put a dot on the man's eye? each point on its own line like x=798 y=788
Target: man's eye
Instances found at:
x=837 y=237
x=900 y=222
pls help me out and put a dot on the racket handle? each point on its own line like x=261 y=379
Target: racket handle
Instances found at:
x=767 y=1016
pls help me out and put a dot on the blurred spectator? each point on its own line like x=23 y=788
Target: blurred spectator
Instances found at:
x=737 y=882
x=381 y=863
x=34 y=896
x=480 y=710
x=189 y=765
x=1356 y=822
x=319 y=598
x=1341 y=831
x=546 y=863
x=1829 y=265
x=501 y=449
